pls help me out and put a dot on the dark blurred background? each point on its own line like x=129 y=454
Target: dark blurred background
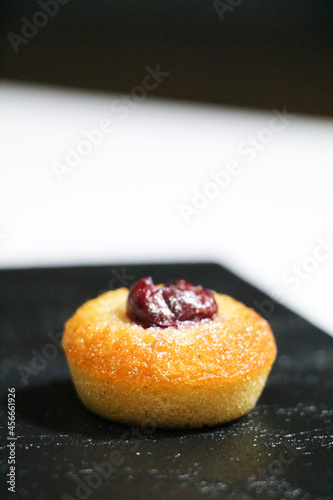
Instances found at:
x=261 y=54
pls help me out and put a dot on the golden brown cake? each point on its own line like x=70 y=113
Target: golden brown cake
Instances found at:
x=196 y=374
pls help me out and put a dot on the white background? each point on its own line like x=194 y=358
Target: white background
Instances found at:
x=121 y=204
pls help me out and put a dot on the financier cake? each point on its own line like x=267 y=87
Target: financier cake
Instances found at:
x=174 y=355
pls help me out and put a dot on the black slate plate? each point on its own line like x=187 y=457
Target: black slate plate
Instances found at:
x=280 y=450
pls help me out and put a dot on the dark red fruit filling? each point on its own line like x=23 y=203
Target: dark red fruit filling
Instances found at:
x=171 y=305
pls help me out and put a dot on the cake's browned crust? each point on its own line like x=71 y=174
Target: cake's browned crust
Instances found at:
x=206 y=373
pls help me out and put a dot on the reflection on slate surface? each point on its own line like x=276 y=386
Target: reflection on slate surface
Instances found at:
x=281 y=449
